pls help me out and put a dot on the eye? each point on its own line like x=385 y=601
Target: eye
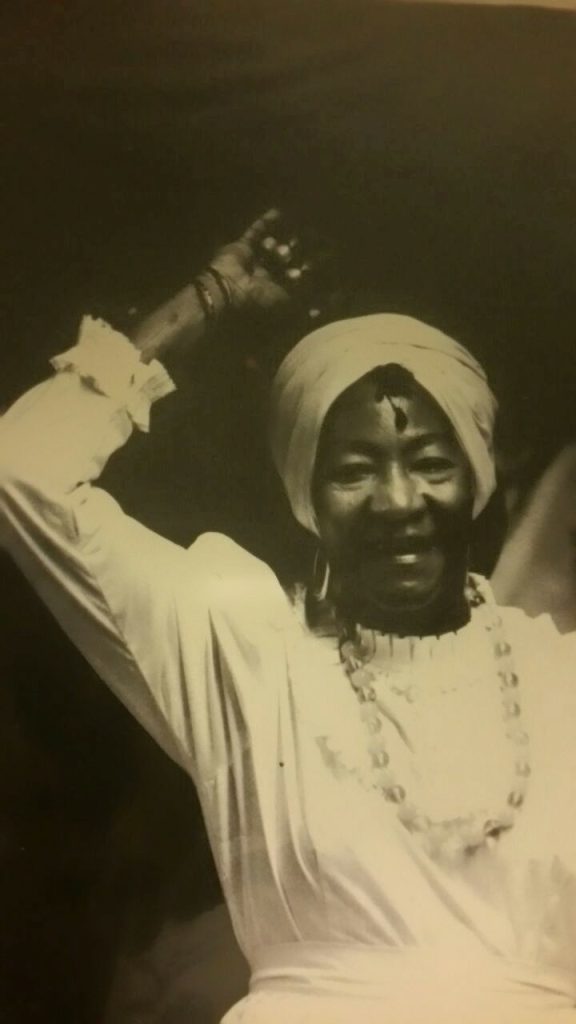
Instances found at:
x=434 y=465
x=349 y=473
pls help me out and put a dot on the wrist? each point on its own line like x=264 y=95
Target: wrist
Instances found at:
x=225 y=286
x=230 y=282
x=213 y=298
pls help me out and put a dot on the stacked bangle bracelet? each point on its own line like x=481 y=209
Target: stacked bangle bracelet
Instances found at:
x=205 y=299
x=205 y=296
x=222 y=283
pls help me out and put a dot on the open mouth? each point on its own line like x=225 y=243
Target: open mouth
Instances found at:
x=405 y=552
x=402 y=548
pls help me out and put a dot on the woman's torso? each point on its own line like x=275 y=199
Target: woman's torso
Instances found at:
x=310 y=854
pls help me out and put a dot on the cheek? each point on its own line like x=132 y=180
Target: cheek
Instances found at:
x=336 y=510
x=456 y=494
x=451 y=497
x=464 y=488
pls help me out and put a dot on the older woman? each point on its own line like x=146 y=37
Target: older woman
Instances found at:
x=385 y=760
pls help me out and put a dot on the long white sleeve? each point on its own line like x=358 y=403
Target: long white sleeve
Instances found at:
x=110 y=582
x=189 y=639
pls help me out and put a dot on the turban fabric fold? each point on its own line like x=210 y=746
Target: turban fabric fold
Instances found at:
x=329 y=360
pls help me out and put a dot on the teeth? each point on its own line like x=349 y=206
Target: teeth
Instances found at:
x=396 y=551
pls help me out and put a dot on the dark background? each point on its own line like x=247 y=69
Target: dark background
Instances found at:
x=434 y=149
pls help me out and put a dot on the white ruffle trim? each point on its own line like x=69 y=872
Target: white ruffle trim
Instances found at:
x=108 y=362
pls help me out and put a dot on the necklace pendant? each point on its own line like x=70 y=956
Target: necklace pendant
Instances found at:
x=516 y=798
x=508 y=680
x=362 y=678
x=395 y=794
x=384 y=780
x=516 y=733
x=411 y=817
x=380 y=758
x=492 y=829
x=511 y=709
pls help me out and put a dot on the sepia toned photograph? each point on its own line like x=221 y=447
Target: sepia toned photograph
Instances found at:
x=288 y=512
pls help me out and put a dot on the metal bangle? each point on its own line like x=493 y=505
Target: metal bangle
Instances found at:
x=205 y=299
x=222 y=284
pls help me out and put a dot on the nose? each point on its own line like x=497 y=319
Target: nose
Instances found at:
x=395 y=493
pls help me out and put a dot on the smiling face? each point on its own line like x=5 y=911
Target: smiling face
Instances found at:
x=393 y=496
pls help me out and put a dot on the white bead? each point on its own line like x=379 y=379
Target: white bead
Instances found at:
x=396 y=794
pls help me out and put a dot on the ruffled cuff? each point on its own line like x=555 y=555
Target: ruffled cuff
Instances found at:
x=107 y=362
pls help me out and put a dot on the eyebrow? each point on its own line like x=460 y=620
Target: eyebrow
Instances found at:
x=371 y=449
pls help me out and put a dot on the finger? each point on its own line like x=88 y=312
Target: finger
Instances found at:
x=284 y=253
x=278 y=256
x=296 y=274
x=261 y=227
x=269 y=245
x=282 y=249
x=290 y=246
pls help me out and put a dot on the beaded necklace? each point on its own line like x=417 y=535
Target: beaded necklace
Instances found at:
x=456 y=836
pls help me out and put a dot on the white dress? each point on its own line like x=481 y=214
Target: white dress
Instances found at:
x=341 y=914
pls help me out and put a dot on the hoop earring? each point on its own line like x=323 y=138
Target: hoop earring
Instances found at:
x=320 y=576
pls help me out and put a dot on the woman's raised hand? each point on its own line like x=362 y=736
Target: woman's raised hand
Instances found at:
x=263 y=269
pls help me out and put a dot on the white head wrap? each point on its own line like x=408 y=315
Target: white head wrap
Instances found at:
x=330 y=359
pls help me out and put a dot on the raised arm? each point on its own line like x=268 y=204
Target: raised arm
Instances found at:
x=116 y=587
x=258 y=271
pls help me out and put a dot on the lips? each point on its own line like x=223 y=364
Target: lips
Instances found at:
x=407 y=544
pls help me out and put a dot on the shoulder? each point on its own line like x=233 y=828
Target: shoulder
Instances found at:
x=216 y=555
x=540 y=650
x=535 y=639
x=545 y=659
x=232 y=581
x=531 y=630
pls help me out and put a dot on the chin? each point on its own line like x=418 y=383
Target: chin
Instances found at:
x=410 y=595
x=431 y=619
x=400 y=615
x=412 y=607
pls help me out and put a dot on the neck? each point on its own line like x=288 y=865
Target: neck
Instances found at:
x=446 y=613
x=443 y=616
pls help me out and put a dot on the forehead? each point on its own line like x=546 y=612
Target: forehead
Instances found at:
x=361 y=412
